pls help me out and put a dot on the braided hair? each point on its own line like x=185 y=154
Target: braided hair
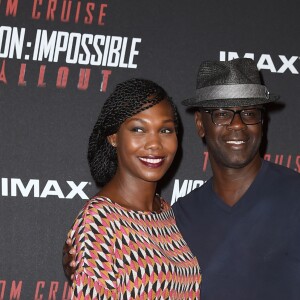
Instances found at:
x=129 y=98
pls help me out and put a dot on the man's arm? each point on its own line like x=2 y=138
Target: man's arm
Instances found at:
x=68 y=260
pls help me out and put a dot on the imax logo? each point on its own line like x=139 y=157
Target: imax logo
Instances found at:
x=15 y=187
x=278 y=64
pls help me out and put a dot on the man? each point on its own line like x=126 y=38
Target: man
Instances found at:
x=244 y=223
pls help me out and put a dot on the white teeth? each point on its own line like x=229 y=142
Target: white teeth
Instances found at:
x=235 y=142
x=151 y=160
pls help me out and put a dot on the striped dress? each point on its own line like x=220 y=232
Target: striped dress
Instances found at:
x=126 y=254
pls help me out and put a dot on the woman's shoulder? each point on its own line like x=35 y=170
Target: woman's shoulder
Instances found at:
x=98 y=204
x=99 y=211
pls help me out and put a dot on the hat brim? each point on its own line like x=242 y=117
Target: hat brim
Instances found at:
x=195 y=102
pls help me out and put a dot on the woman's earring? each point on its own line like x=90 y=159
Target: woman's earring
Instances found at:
x=113 y=144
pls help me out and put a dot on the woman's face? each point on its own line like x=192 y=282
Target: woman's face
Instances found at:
x=146 y=143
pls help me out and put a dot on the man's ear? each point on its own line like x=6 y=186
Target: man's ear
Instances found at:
x=199 y=124
x=112 y=139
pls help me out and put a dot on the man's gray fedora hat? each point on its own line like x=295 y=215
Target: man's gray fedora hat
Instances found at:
x=229 y=83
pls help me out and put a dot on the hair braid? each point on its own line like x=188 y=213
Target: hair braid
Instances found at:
x=129 y=98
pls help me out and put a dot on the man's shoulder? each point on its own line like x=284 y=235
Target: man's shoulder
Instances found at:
x=282 y=185
x=283 y=174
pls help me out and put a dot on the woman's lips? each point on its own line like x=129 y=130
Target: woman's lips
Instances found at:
x=152 y=162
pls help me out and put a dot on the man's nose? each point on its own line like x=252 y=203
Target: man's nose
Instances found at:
x=237 y=122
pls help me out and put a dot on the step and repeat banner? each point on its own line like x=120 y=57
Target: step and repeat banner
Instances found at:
x=60 y=59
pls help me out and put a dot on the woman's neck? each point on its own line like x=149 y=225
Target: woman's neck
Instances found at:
x=132 y=193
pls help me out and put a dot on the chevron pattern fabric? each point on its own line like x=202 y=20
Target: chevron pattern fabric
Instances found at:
x=125 y=254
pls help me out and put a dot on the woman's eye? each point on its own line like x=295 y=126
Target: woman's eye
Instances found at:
x=167 y=130
x=137 y=129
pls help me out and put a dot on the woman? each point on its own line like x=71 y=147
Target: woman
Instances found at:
x=127 y=243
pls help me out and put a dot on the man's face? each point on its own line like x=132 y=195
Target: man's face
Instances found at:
x=230 y=146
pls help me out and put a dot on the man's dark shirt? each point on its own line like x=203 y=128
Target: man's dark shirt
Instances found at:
x=250 y=251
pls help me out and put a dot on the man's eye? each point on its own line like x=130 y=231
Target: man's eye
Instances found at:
x=221 y=114
x=250 y=113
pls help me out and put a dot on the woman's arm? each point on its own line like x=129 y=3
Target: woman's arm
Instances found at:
x=95 y=270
